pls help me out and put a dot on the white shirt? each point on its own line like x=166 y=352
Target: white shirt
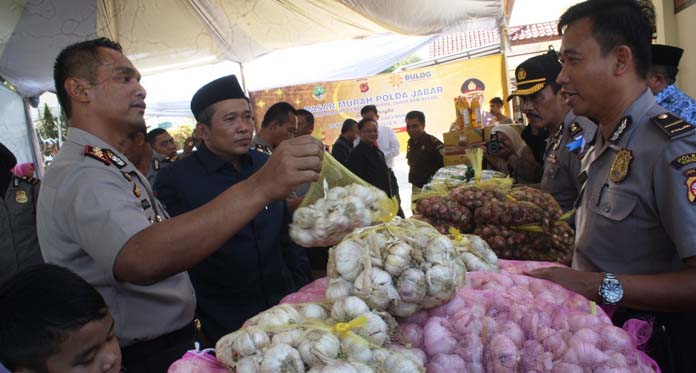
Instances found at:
x=388 y=144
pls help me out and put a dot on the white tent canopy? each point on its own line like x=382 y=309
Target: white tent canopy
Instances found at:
x=162 y=35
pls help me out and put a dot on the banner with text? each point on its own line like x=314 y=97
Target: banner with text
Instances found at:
x=430 y=89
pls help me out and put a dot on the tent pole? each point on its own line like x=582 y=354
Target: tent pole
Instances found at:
x=33 y=141
x=504 y=49
x=241 y=73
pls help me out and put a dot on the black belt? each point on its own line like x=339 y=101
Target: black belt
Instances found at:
x=185 y=335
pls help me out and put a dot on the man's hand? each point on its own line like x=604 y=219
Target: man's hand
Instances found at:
x=583 y=283
x=294 y=162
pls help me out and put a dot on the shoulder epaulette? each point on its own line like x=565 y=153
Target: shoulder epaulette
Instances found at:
x=29 y=179
x=98 y=154
x=575 y=129
x=671 y=124
x=115 y=159
x=263 y=149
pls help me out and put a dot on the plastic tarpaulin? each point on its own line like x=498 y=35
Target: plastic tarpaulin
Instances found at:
x=161 y=35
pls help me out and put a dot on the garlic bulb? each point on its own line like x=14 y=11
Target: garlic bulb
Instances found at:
x=403 y=309
x=328 y=220
x=398 y=363
x=441 y=282
x=355 y=349
x=337 y=289
x=278 y=316
x=282 y=358
x=348 y=308
x=398 y=259
x=314 y=311
x=375 y=330
x=361 y=368
x=339 y=367
x=289 y=337
x=248 y=341
x=347 y=256
x=440 y=250
x=318 y=347
x=377 y=287
x=249 y=364
x=411 y=285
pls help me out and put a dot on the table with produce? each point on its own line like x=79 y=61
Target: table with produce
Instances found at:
x=444 y=291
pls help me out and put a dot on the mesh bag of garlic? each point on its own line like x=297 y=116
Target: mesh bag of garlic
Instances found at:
x=315 y=337
x=400 y=267
x=336 y=204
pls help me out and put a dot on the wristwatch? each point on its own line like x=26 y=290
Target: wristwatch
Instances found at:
x=610 y=291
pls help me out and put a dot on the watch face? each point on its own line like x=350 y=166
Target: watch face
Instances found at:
x=612 y=292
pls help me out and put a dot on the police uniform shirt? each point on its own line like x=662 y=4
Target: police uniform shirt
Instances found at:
x=92 y=202
x=157 y=163
x=261 y=145
x=19 y=247
x=561 y=165
x=424 y=159
x=678 y=102
x=639 y=217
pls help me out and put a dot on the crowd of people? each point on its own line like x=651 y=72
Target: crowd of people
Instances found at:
x=147 y=251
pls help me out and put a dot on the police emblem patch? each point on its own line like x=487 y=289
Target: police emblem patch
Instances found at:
x=521 y=75
x=691 y=185
x=620 y=167
x=21 y=197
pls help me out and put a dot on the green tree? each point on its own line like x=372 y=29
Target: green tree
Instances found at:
x=49 y=125
x=180 y=134
x=406 y=61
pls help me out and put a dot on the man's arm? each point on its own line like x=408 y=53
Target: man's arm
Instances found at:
x=666 y=292
x=179 y=243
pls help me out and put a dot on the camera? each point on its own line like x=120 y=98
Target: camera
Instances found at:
x=493 y=145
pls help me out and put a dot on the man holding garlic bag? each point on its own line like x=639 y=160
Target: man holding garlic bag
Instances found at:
x=98 y=217
x=636 y=241
x=260 y=264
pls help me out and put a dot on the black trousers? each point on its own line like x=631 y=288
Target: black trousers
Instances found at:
x=158 y=354
x=673 y=342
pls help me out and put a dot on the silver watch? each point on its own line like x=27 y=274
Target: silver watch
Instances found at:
x=610 y=291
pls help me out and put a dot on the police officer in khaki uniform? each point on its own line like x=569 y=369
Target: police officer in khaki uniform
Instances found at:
x=636 y=240
x=423 y=153
x=98 y=217
x=544 y=107
x=19 y=247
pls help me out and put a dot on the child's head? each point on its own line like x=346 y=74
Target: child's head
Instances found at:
x=51 y=320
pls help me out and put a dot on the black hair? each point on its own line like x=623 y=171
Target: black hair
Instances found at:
x=41 y=305
x=309 y=117
x=496 y=100
x=363 y=122
x=669 y=72
x=279 y=113
x=348 y=124
x=81 y=60
x=368 y=108
x=152 y=135
x=615 y=23
x=415 y=114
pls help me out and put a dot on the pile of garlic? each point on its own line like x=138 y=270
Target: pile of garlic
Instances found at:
x=313 y=337
x=401 y=267
x=329 y=219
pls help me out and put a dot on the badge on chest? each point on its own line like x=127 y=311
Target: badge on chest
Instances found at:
x=620 y=167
